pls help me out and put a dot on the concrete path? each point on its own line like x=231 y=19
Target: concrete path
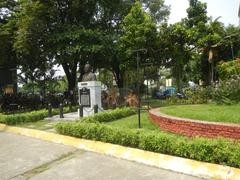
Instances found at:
x=28 y=158
x=66 y=116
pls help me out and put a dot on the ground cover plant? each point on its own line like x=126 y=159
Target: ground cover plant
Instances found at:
x=219 y=151
x=32 y=116
x=131 y=122
x=124 y=132
x=110 y=115
x=206 y=112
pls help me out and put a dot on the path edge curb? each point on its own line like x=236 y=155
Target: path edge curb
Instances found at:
x=172 y=163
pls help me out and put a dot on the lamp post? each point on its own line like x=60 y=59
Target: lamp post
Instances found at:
x=138 y=84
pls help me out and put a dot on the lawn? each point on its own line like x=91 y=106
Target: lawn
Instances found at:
x=153 y=103
x=206 y=112
x=132 y=122
x=45 y=125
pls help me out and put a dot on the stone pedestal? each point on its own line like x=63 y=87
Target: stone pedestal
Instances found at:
x=89 y=95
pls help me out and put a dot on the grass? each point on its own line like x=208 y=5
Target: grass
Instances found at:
x=206 y=112
x=40 y=125
x=131 y=122
x=153 y=103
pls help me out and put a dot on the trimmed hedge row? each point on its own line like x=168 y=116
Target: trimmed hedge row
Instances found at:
x=112 y=115
x=218 y=151
x=32 y=116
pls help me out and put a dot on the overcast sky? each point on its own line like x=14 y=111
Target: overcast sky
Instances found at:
x=227 y=9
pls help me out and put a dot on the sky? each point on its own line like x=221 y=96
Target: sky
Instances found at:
x=227 y=9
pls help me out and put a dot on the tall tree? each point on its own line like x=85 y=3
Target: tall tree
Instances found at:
x=7 y=27
x=139 y=32
x=157 y=9
x=179 y=51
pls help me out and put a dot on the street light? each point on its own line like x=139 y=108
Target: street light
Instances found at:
x=138 y=84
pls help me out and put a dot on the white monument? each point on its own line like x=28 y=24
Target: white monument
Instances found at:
x=89 y=91
x=89 y=95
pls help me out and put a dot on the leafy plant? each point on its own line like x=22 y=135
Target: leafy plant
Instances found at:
x=228 y=69
x=108 y=116
x=218 y=151
x=228 y=91
x=32 y=116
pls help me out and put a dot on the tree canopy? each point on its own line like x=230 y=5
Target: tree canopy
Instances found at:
x=37 y=35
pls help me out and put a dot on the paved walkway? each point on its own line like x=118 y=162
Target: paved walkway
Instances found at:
x=29 y=158
x=66 y=116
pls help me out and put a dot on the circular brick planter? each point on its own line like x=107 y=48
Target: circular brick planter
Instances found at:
x=191 y=127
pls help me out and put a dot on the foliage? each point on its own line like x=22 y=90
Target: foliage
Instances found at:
x=157 y=9
x=227 y=69
x=20 y=102
x=110 y=115
x=37 y=35
x=26 y=117
x=112 y=98
x=8 y=57
x=215 y=151
x=196 y=13
x=139 y=32
x=228 y=91
x=131 y=99
x=10 y=103
x=198 y=94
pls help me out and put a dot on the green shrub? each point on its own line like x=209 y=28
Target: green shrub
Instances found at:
x=99 y=132
x=219 y=151
x=194 y=95
x=227 y=69
x=32 y=116
x=228 y=91
x=198 y=95
x=108 y=116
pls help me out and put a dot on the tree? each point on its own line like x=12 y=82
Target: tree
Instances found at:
x=7 y=27
x=179 y=51
x=156 y=9
x=139 y=32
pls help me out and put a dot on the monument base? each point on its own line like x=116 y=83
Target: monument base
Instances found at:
x=89 y=96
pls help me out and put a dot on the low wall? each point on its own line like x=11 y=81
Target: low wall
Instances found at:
x=191 y=127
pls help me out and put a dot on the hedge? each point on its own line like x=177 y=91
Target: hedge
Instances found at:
x=112 y=115
x=32 y=116
x=218 y=151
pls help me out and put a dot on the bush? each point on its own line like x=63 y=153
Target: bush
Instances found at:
x=108 y=116
x=228 y=91
x=218 y=151
x=198 y=95
x=19 y=102
x=32 y=116
x=228 y=69
x=193 y=95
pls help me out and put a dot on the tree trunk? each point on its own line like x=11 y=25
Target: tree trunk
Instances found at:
x=178 y=75
x=118 y=76
x=71 y=74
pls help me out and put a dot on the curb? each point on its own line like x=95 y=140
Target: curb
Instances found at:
x=177 y=164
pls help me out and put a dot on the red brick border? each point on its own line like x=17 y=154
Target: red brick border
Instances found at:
x=191 y=127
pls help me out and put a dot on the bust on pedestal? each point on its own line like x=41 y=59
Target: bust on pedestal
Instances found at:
x=89 y=92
